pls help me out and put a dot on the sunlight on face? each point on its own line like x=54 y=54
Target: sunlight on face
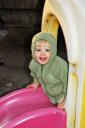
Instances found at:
x=42 y=52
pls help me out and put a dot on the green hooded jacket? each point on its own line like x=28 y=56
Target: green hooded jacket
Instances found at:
x=53 y=75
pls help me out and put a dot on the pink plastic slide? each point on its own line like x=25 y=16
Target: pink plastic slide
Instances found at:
x=26 y=108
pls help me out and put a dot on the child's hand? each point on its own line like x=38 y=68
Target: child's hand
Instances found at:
x=61 y=105
x=33 y=85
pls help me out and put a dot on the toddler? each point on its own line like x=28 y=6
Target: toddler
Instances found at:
x=49 y=70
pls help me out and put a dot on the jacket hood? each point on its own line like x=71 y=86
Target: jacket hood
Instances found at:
x=51 y=40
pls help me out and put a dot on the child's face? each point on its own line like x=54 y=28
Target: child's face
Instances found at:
x=42 y=52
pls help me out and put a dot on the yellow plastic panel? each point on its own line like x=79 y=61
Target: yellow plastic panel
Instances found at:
x=82 y=120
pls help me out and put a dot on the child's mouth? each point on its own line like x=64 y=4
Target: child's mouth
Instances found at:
x=43 y=58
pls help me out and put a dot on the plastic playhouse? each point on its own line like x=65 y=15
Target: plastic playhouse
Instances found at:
x=27 y=108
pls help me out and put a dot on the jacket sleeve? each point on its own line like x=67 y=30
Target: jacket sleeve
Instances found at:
x=61 y=73
x=33 y=68
x=65 y=79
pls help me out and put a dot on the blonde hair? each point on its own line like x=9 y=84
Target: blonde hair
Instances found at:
x=42 y=41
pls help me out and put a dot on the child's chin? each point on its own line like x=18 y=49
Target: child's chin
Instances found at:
x=43 y=63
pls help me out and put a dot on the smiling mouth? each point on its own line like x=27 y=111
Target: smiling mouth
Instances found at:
x=43 y=58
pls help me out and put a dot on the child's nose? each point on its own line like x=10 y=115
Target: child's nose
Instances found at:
x=43 y=53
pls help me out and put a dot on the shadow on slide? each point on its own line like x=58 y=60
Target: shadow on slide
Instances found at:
x=26 y=108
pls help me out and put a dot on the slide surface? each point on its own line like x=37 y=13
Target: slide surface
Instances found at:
x=28 y=108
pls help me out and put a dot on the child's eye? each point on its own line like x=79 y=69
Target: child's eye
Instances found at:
x=38 y=50
x=47 y=50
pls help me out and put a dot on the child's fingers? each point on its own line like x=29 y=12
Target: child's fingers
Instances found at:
x=36 y=87
x=30 y=86
x=61 y=105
